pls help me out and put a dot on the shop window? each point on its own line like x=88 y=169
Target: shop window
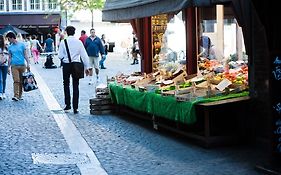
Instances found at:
x=169 y=41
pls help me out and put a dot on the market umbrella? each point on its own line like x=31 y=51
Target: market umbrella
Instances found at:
x=10 y=28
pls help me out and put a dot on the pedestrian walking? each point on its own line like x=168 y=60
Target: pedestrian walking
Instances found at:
x=94 y=47
x=77 y=53
x=35 y=46
x=4 y=56
x=18 y=62
x=49 y=44
x=105 y=46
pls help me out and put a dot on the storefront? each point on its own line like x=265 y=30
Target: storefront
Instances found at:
x=34 y=24
x=235 y=27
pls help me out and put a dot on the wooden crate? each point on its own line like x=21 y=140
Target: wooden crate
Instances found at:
x=99 y=101
x=99 y=106
x=93 y=112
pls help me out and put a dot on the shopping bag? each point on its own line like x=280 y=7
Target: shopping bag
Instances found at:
x=29 y=82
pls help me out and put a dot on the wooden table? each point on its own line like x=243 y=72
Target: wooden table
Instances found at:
x=240 y=103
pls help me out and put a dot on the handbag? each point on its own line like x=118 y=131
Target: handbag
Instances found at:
x=28 y=81
x=3 y=57
x=39 y=48
x=76 y=67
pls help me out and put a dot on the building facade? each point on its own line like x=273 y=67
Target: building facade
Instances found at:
x=37 y=17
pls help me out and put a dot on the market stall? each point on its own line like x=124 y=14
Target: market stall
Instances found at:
x=174 y=97
x=158 y=108
x=260 y=36
x=180 y=67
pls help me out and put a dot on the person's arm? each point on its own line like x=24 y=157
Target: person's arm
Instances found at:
x=85 y=59
x=84 y=56
x=26 y=59
x=44 y=46
x=101 y=48
x=61 y=53
x=39 y=44
x=86 y=43
x=9 y=63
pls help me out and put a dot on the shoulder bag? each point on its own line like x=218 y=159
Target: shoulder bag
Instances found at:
x=76 y=67
x=39 y=48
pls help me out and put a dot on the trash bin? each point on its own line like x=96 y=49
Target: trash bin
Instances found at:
x=110 y=47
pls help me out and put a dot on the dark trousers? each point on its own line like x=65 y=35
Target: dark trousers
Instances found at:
x=66 y=70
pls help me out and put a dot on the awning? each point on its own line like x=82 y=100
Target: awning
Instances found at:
x=30 y=19
x=124 y=10
x=10 y=28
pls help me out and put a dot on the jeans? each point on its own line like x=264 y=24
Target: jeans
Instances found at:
x=101 y=63
x=66 y=71
x=3 y=77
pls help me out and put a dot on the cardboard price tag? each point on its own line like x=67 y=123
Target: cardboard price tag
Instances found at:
x=223 y=84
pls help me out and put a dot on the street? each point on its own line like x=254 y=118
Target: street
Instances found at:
x=38 y=138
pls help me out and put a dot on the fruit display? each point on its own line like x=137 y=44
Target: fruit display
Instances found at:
x=170 y=79
x=238 y=76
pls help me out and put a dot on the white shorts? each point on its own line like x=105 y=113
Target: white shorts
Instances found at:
x=94 y=62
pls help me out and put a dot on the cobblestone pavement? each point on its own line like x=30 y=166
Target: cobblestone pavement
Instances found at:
x=123 y=145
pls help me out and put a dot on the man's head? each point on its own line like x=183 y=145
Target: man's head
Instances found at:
x=83 y=32
x=70 y=30
x=93 y=32
x=11 y=37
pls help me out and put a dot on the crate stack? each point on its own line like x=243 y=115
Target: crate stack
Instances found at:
x=101 y=104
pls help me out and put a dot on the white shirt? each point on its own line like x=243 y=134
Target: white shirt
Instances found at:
x=76 y=50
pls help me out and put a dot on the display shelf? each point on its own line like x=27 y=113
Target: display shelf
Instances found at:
x=159 y=26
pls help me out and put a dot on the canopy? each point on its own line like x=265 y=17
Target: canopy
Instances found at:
x=29 y=19
x=124 y=10
x=10 y=28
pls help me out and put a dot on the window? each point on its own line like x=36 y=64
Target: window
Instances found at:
x=35 y=5
x=17 y=5
x=2 y=5
x=51 y=4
